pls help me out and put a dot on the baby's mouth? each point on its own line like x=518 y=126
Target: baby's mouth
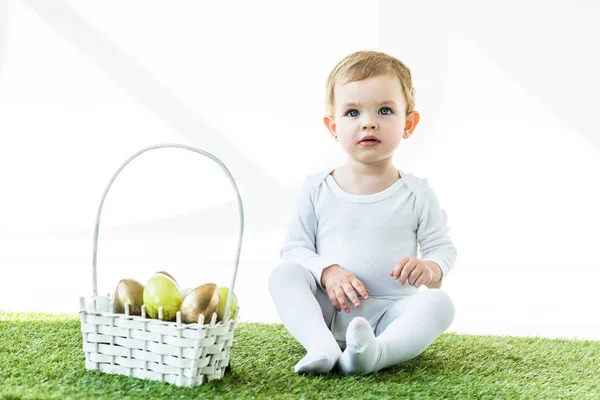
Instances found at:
x=369 y=142
x=369 y=139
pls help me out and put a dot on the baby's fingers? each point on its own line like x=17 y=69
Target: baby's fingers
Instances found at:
x=352 y=295
x=360 y=288
x=334 y=300
x=341 y=298
x=395 y=272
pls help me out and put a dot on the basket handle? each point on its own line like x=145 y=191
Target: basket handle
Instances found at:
x=240 y=208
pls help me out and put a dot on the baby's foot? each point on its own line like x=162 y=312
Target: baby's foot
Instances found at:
x=362 y=350
x=317 y=363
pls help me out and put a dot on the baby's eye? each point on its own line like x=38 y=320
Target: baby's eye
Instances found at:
x=352 y=113
x=387 y=110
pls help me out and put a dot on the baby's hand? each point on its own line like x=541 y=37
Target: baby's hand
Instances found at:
x=413 y=270
x=340 y=283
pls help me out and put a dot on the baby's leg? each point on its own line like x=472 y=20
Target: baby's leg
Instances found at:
x=306 y=312
x=407 y=328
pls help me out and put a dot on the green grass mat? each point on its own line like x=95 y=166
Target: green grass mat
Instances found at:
x=41 y=356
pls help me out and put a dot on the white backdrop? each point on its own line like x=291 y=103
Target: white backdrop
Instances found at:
x=509 y=140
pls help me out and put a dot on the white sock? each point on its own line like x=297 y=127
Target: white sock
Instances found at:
x=362 y=352
x=317 y=362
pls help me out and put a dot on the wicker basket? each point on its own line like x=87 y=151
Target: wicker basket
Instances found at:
x=173 y=352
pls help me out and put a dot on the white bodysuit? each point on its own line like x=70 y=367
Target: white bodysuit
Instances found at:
x=367 y=235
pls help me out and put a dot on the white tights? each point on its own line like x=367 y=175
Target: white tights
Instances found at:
x=380 y=333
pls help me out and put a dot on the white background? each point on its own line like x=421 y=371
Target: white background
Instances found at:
x=509 y=141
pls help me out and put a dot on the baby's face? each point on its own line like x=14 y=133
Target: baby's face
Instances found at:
x=375 y=106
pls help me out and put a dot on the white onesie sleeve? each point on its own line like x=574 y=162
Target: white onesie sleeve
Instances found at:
x=432 y=231
x=299 y=243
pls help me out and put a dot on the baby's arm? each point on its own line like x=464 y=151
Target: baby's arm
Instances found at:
x=437 y=249
x=299 y=244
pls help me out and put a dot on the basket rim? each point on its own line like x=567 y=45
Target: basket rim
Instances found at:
x=156 y=321
x=178 y=323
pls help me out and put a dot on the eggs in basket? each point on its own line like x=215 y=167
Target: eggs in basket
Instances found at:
x=162 y=295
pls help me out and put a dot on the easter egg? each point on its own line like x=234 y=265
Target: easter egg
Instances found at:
x=224 y=292
x=184 y=291
x=128 y=291
x=167 y=274
x=99 y=304
x=162 y=291
x=203 y=300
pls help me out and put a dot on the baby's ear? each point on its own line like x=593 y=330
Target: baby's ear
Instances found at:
x=330 y=124
x=412 y=120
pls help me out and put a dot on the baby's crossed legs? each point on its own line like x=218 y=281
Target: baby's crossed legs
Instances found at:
x=306 y=312
x=405 y=330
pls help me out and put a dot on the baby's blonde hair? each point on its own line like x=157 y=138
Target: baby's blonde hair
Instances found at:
x=365 y=64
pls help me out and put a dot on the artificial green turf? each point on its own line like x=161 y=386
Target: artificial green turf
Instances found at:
x=41 y=356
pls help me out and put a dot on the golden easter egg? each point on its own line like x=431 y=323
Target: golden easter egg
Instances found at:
x=128 y=291
x=202 y=300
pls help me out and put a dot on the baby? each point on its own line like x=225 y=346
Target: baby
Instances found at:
x=352 y=240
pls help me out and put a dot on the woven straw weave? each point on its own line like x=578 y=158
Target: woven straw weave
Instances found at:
x=172 y=352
